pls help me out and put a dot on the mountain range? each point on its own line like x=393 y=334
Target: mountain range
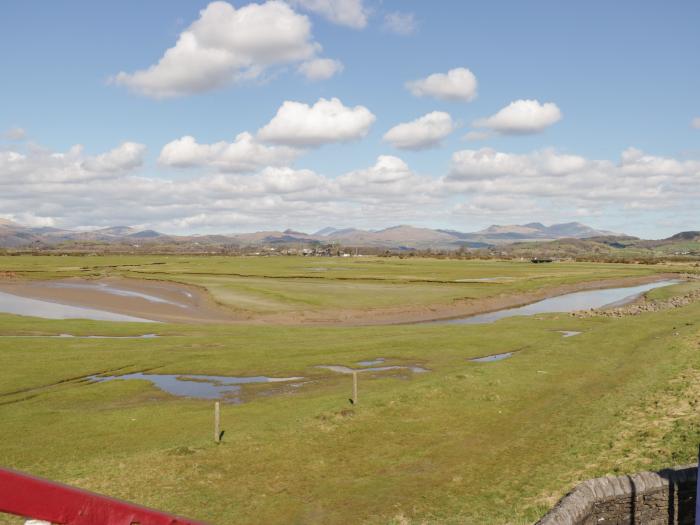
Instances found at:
x=13 y=235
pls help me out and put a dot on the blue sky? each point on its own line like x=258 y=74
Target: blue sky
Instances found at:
x=621 y=74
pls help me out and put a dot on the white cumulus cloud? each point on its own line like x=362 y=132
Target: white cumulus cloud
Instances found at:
x=127 y=156
x=488 y=164
x=320 y=68
x=287 y=180
x=243 y=155
x=39 y=167
x=634 y=161
x=387 y=169
x=349 y=13
x=223 y=45
x=73 y=189
x=298 y=124
x=570 y=182
x=457 y=84
x=695 y=122
x=522 y=117
x=485 y=163
x=422 y=133
x=389 y=176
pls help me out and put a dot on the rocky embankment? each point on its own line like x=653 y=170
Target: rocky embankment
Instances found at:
x=644 y=305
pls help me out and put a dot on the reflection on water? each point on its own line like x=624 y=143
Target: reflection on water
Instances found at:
x=347 y=370
x=568 y=333
x=14 y=304
x=103 y=287
x=372 y=362
x=490 y=358
x=199 y=386
x=567 y=303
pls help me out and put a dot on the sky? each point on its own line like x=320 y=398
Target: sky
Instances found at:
x=204 y=117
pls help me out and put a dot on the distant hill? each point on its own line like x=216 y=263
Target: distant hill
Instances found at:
x=608 y=247
x=685 y=236
x=397 y=236
x=566 y=239
x=413 y=237
x=537 y=230
x=13 y=235
x=146 y=234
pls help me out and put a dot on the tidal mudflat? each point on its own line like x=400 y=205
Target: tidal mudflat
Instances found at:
x=571 y=302
x=15 y=304
x=102 y=287
x=110 y=299
x=291 y=291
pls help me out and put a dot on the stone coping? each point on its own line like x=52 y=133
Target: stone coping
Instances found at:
x=578 y=505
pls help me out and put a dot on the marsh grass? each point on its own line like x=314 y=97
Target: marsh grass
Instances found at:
x=268 y=285
x=465 y=443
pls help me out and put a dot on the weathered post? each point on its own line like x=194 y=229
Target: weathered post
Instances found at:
x=217 y=415
x=697 y=494
x=354 y=388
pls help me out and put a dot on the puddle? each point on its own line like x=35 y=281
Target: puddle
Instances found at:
x=347 y=370
x=566 y=303
x=102 y=287
x=373 y=362
x=491 y=358
x=227 y=388
x=14 y=304
x=71 y=336
x=568 y=333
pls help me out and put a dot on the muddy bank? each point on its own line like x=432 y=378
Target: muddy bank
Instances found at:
x=154 y=300
x=641 y=306
x=180 y=303
x=411 y=314
x=570 y=302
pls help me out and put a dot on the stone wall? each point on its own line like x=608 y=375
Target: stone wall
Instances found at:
x=649 y=498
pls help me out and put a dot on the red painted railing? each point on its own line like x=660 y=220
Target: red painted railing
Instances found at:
x=41 y=499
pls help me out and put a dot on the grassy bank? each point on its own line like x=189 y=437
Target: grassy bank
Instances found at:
x=331 y=287
x=464 y=443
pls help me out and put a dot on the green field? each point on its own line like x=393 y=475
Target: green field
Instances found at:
x=272 y=285
x=464 y=443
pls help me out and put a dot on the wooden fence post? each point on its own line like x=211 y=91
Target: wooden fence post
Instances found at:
x=697 y=494
x=217 y=421
x=354 y=388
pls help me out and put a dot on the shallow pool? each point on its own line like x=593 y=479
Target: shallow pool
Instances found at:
x=198 y=386
x=491 y=358
x=112 y=290
x=14 y=304
x=570 y=302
